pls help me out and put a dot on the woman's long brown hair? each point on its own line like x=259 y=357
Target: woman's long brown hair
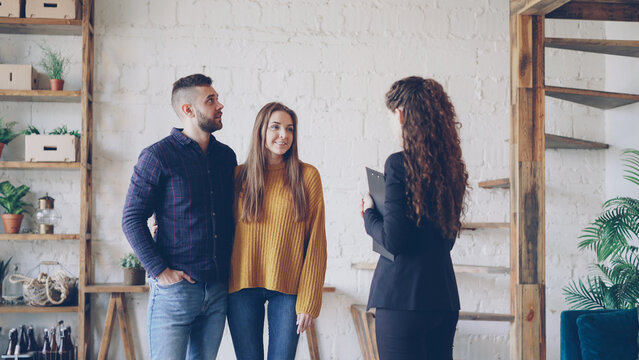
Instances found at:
x=436 y=177
x=249 y=182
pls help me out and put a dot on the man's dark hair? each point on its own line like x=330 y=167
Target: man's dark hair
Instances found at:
x=180 y=91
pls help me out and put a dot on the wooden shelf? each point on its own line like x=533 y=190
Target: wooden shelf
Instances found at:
x=63 y=96
x=485 y=225
x=599 y=99
x=115 y=288
x=31 y=237
x=5 y=309
x=495 y=184
x=39 y=165
x=598 y=10
x=562 y=142
x=610 y=47
x=477 y=316
x=41 y=26
x=468 y=269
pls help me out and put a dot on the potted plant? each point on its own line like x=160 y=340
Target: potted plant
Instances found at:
x=3 y=271
x=54 y=65
x=615 y=285
x=11 y=201
x=134 y=273
x=6 y=133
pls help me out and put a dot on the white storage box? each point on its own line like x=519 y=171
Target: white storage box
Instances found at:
x=65 y=148
x=10 y=8
x=52 y=9
x=18 y=77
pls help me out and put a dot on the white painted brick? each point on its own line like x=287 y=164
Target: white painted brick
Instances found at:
x=162 y=13
x=245 y=13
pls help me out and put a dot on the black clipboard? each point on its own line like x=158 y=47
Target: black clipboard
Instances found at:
x=377 y=189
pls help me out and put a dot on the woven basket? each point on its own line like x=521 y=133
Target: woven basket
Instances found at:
x=47 y=290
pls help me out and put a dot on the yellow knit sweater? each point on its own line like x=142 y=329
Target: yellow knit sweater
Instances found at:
x=270 y=253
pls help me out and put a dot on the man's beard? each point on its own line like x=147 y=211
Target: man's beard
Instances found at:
x=205 y=123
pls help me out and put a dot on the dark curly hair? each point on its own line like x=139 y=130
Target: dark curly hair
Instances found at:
x=436 y=177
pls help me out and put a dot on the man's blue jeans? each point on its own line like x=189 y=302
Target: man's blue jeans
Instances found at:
x=185 y=318
x=246 y=322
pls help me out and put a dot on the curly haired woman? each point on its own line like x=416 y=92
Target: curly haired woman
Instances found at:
x=416 y=294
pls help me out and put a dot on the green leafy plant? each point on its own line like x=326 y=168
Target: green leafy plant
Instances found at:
x=11 y=199
x=3 y=267
x=130 y=261
x=62 y=130
x=610 y=236
x=6 y=131
x=53 y=62
x=31 y=130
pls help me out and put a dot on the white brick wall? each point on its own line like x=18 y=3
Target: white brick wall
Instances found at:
x=332 y=63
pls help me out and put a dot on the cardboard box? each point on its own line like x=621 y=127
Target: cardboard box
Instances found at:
x=53 y=9
x=10 y=8
x=18 y=77
x=47 y=148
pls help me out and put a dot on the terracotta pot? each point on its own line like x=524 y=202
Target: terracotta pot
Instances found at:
x=1 y=147
x=134 y=276
x=12 y=223
x=57 y=84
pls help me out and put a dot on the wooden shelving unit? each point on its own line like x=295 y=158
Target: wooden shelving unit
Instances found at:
x=562 y=142
x=6 y=309
x=597 y=10
x=610 y=47
x=81 y=27
x=40 y=96
x=39 y=165
x=495 y=184
x=32 y=237
x=598 y=99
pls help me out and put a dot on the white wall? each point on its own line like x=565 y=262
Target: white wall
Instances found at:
x=622 y=124
x=332 y=62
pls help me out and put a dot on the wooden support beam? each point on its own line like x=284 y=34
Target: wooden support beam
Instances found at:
x=597 y=10
x=117 y=305
x=527 y=185
x=535 y=7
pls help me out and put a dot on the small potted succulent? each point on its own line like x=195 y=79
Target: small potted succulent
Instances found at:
x=6 y=133
x=11 y=201
x=134 y=273
x=54 y=65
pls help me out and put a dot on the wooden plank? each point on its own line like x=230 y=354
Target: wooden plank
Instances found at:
x=362 y=319
x=125 y=326
x=313 y=345
x=533 y=321
x=535 y=7
x=597 y=11
x=470 y=269
x=38 y=165
x=86 y=179
x=328 y=289
x=610 y=47
x=108 y=329
x=495 y=184
x=485 y=225
x=32 y=237
x=115 y=288
x=562 y=142
x=599 y=99
x=63 y=96
x=6 y=309
x=40 y=26
x=478 y=316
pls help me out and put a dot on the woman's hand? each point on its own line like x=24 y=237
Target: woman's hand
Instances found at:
x=367 y=203
x=304 y=321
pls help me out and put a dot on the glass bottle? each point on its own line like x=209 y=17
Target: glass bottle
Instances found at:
x=46 y=346
x=4 y=342
x=13 y=342
x=32 y=344
x=11 y=291
x=54 y=345
x=22 y=342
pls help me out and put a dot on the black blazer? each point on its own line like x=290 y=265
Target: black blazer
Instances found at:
x=422 y=276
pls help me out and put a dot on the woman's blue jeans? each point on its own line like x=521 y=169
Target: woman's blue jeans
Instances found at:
x=246 y=322
x=186 y=319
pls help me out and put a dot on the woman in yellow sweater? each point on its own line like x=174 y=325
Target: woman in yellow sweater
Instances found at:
x=279 y=250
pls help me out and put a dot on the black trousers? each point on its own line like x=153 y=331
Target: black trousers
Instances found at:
x=415 y=335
